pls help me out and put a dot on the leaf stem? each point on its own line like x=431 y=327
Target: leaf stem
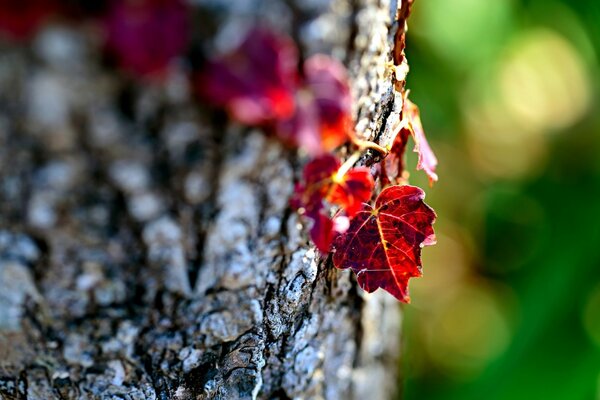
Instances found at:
x=349 y=163
x=367 y=144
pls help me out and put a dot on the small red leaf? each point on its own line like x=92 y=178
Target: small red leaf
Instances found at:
x=310 y=193
x=323 y=118
x=392 y=165
x=427 y=160
x=256 y=82
x=323 y=181
x=351 y=190
x=327 y=80
x=145 y=35
x=323 y=185
x=383 y=244
x=322 y=230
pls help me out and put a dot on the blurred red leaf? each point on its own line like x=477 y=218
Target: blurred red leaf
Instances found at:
x=323 y=117
x=259 y=84
x=19 y=19
x=392 y=165
x=323 y=180
x=316 y=179
x=325 y=228
x=427 y=160
x=383 y=244
x=323 y=184
x=321 y=231
x=351 y=190
x=256 y=82
x=145 y=35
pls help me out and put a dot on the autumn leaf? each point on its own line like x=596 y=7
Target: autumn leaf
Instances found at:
x=325 y=228
x=324 y=181
x=145 y=36
x=322 y=120
x=427 y=160
x=383 y=243
x=256 y=82
x=324 y=184
x=259 y=85
x=392 y=165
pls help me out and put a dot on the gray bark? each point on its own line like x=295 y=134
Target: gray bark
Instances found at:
x=147 y=250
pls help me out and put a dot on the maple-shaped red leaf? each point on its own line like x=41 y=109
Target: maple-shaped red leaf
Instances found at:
x=255 y=83
x=144 y=36
x=19 y=19
x=383 y=243
x=392 y=165
x=324 y=181
x=427 y=160
x=323 y=118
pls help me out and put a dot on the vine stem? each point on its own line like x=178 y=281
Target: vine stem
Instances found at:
x=366 y=144
x=349 y=163
x=362 y=145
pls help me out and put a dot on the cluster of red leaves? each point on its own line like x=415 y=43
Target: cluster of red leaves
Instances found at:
x=260 y=84
x=308 y=105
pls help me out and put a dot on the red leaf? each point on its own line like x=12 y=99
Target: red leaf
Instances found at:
x=323 y=184
x=351 y=190
x=255 y=83
x=323 y=180
x=321 y=231
x=258 y=84
x=327 y=80
x=145 y=35
x=392 y=165
x=19 y=19
x=323 y=118
x=383 y=244
x=427 y=160
x=324 y=229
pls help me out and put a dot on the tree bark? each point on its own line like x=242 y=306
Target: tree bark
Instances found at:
x=147 y=250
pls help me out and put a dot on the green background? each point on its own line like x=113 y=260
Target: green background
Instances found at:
x=509 y=305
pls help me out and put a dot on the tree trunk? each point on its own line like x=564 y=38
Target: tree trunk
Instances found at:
x=147 y=250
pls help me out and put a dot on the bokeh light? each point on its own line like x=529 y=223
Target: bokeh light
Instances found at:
x=509 y=305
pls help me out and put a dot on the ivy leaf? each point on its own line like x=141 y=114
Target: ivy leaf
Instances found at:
x=259 y=85
x=324 y=184
x=324 y=181
x=322 y=120
x=144 y=36
x=324 y=228
x=383 y=244
x=427 y=160
x=392 y=165
x=255 y=83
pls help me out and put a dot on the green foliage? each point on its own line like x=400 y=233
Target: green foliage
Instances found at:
x=510 y=304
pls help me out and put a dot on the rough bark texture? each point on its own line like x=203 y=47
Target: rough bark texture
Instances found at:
x=147 y=249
